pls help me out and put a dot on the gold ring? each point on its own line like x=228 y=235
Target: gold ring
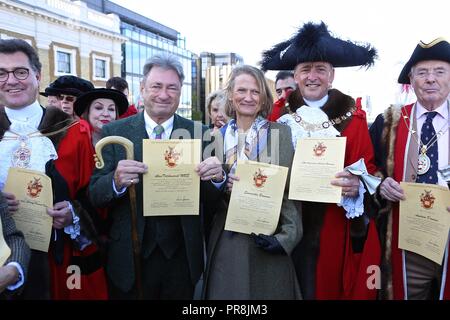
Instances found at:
x=131 y=181
x=214 y=177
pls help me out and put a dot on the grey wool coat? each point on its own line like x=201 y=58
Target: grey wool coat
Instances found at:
x=239 y=270
x=20 y=252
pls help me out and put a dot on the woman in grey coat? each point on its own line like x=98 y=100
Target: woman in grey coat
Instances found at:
x=242 y=266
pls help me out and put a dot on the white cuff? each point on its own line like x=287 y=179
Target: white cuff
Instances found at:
x=219 y=185
x=354 y=206
x=120 y=192
x=21 y=280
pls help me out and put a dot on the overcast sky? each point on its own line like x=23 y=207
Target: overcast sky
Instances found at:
x=248 y=27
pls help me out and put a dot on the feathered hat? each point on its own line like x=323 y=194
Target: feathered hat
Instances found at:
x=313 y=42
x=438 y=49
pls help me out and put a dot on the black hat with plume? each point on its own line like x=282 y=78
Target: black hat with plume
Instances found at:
x=313 y=43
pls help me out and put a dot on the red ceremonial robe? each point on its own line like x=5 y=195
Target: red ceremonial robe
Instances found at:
x=398 y=279
x=75 y=163
x=341 y=273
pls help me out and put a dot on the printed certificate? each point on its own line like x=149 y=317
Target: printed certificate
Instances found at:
x=34 y=191
x=5 y=251
x=256 y=199
x=171 y=185
x=424 y=220
x=316 y=162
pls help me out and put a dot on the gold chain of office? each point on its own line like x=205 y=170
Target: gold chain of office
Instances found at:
x=308 y=126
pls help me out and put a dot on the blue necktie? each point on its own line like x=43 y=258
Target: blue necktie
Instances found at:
x=429 y=135
x=158 y=131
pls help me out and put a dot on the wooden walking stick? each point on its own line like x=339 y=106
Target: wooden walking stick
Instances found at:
x=99 y=163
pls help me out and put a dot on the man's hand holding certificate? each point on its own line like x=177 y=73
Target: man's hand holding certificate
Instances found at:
x=256 y=199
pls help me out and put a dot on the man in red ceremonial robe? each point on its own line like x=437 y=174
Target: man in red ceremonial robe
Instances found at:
x=339 y=249
x=48 y=140
x=412 y=144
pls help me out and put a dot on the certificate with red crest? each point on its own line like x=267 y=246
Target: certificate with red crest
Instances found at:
x=33 y=190
x=256 y=199
x=316 y=162
x=171 y=185
x=424 y=220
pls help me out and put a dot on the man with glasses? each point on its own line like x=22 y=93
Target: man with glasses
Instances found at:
x=47 y=140
x=412 y=144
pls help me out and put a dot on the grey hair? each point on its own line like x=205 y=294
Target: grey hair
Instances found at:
x=165 y=61
x=219 y=96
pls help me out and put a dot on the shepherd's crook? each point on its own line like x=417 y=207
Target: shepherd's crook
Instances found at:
x=99 y=163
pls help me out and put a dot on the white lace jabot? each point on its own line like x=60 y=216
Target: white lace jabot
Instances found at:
x=313 y=116
x=25 y=123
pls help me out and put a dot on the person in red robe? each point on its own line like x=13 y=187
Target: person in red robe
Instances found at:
x=412 y=144
x=50 y=141
x=338 y=250
x=284 y=86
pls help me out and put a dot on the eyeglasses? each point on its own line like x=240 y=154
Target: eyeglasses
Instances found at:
x=422 y=73
x=19 y=74
x=62 y=97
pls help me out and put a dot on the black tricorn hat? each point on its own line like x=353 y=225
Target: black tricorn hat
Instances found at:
x=70 y=85
x=84 y=101
x=438 y=49
x=312 y=43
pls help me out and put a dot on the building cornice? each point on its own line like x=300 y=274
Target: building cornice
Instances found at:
x=51 y=17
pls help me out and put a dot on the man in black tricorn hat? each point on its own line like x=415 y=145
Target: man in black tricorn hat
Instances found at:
x=412 y=144
x=339 y=242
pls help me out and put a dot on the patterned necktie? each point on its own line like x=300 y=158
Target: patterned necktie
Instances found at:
x=429 y=134
x=158 y=131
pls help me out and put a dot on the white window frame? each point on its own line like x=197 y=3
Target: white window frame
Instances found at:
x=73 y=61
x=107 y=67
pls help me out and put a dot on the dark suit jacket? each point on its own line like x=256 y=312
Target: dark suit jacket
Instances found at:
x=120 y=267
x=20 y=252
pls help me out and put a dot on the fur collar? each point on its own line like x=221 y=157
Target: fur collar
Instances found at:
x=53 y=119
x=337 y=105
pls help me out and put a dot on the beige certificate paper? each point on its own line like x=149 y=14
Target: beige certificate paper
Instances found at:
x=5 y=251
x=316 y=162
x=171 y=185
x=34 y=191
x=256 y=199
x=424 y=220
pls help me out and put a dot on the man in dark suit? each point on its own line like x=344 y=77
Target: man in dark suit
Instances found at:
x=172 y=247
x=13 y=272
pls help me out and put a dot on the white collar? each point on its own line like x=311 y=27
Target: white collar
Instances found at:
x=318 y=103
x=150 y=124
x=30 y=115
x=442 y=110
